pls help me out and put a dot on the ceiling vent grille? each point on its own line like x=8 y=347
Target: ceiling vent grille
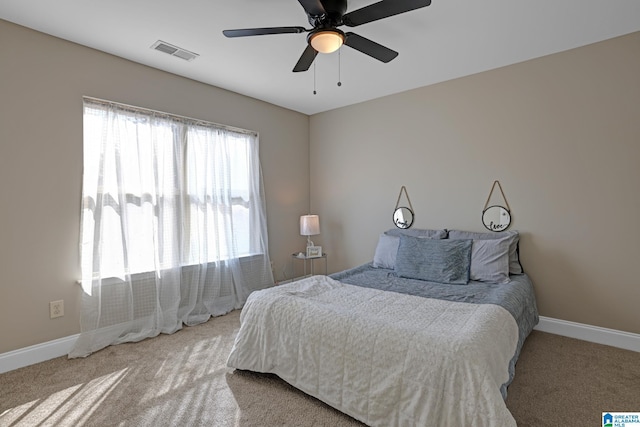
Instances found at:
x=174 y=50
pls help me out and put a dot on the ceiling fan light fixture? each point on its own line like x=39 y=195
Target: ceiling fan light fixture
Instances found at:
x=326 y=41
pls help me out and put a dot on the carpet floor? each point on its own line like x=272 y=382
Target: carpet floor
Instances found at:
x=182 y=380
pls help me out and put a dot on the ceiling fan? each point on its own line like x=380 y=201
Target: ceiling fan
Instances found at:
x=325 y=16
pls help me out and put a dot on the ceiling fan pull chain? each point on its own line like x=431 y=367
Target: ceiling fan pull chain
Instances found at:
x=314 y=78
x=339 y=63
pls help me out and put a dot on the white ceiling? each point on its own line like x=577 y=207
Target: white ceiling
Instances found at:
x=449 y=39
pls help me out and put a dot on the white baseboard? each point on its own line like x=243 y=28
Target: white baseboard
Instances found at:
x=50 y=350
x=36 y=353
x=596 y=334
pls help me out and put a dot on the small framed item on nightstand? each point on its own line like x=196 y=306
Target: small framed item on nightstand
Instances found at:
x=314 y=251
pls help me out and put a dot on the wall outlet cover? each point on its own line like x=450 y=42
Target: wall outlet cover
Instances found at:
x=56 y=309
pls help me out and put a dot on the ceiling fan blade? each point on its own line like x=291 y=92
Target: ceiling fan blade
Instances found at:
x=368 y=47
x=382 y=9
x=262 y=31
x=313 y=7
x=306 y=59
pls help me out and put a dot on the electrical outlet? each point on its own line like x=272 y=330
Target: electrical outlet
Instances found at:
x=56 y=309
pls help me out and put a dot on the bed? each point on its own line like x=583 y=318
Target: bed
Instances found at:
x=389 y=348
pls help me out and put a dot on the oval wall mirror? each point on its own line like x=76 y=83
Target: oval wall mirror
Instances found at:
x=403 y=217
x=496 y=218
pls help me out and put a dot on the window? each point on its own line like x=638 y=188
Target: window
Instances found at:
x=161 y=190
x=173 y=223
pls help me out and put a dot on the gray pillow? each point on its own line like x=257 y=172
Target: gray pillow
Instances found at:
x=386 y=251
x=434 y=260
x=490 y=260
x=417 y=232
x=514 y=260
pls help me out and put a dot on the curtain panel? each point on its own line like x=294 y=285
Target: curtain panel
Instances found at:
x=173 y=225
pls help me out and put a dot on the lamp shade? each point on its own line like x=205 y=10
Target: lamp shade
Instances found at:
x=309 y=225
x=327 y=41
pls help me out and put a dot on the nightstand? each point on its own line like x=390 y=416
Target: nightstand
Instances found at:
x=310 y=260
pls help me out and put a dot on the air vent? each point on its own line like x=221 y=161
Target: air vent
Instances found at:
x=174 y=50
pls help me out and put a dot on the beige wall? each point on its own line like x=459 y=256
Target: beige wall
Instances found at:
x=42 y=81
x=561 y=133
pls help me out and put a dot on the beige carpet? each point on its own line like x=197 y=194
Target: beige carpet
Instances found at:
x=182 y=380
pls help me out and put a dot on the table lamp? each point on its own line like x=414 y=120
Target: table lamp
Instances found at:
x=309 y=226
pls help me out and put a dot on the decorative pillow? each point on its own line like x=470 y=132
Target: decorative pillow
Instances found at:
x=490 y=260
x=514 y=259
x=386 y=251
x=417 y=232
x=434 y=260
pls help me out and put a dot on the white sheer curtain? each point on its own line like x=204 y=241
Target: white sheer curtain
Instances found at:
x=173 y=223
